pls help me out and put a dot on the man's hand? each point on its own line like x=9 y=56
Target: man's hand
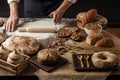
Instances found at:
x=12 y=22
x=13 y=18
x=57 y=16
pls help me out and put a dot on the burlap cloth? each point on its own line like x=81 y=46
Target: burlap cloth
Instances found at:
x=67 y=72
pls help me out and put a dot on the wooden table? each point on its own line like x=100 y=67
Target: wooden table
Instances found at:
x=67 y=71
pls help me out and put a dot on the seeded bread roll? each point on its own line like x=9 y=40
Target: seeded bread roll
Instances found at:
x=104 y=42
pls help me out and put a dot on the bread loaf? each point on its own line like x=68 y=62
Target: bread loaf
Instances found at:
x=92 y=40
x=89 y=16
x=47 y=57
x=104 y=42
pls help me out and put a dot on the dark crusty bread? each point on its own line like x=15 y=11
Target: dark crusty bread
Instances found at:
x=104 y=42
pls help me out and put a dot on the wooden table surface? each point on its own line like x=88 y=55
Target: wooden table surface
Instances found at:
x=114 y=31
x=32 y=69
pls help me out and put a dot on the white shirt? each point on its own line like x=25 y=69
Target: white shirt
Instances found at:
x=72 y=1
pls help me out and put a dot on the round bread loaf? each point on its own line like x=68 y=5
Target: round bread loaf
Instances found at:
x=47 y=57
x=104 y=59
x=22 y=44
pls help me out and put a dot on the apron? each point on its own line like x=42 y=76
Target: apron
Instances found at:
x=40 y=8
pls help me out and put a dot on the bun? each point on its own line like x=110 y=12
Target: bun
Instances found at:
x=104 y=42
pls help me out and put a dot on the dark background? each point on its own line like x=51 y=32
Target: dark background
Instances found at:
x=107 y=8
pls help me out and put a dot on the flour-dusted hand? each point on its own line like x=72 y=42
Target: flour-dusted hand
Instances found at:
x=13 y=18
x=12 y=22
x=57 y=16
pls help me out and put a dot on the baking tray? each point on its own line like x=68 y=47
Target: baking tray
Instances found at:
x=61 y=61
x=77 y=65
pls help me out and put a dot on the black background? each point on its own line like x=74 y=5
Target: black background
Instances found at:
x=107 y=8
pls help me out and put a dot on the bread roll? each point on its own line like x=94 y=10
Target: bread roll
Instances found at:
x=104 y=42
x=92 y=40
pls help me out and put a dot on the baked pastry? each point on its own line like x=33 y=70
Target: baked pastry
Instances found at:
x=104 y=59
x=89 y=17
x=22 y=44
x=47 y=57
x=66 y=31
x=3 y=53
x=83 y=19
x=91 y=40
x=15 y=58
x=1 y=22
x=57 y=43
x=77 y=35
x=104 y=42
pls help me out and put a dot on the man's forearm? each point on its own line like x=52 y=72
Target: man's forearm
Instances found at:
x=13 y=7
x=64 y=6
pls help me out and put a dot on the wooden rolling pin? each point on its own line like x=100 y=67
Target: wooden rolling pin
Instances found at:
x=37 y=30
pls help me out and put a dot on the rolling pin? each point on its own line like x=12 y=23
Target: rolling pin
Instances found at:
x=37 y=30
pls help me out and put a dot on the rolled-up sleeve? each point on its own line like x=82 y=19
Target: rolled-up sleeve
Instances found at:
x=12 y=1
x=73 y=1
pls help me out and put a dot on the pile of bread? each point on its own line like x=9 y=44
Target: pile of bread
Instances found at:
x=91 y=16
x=13 y=47
x=89 y=19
